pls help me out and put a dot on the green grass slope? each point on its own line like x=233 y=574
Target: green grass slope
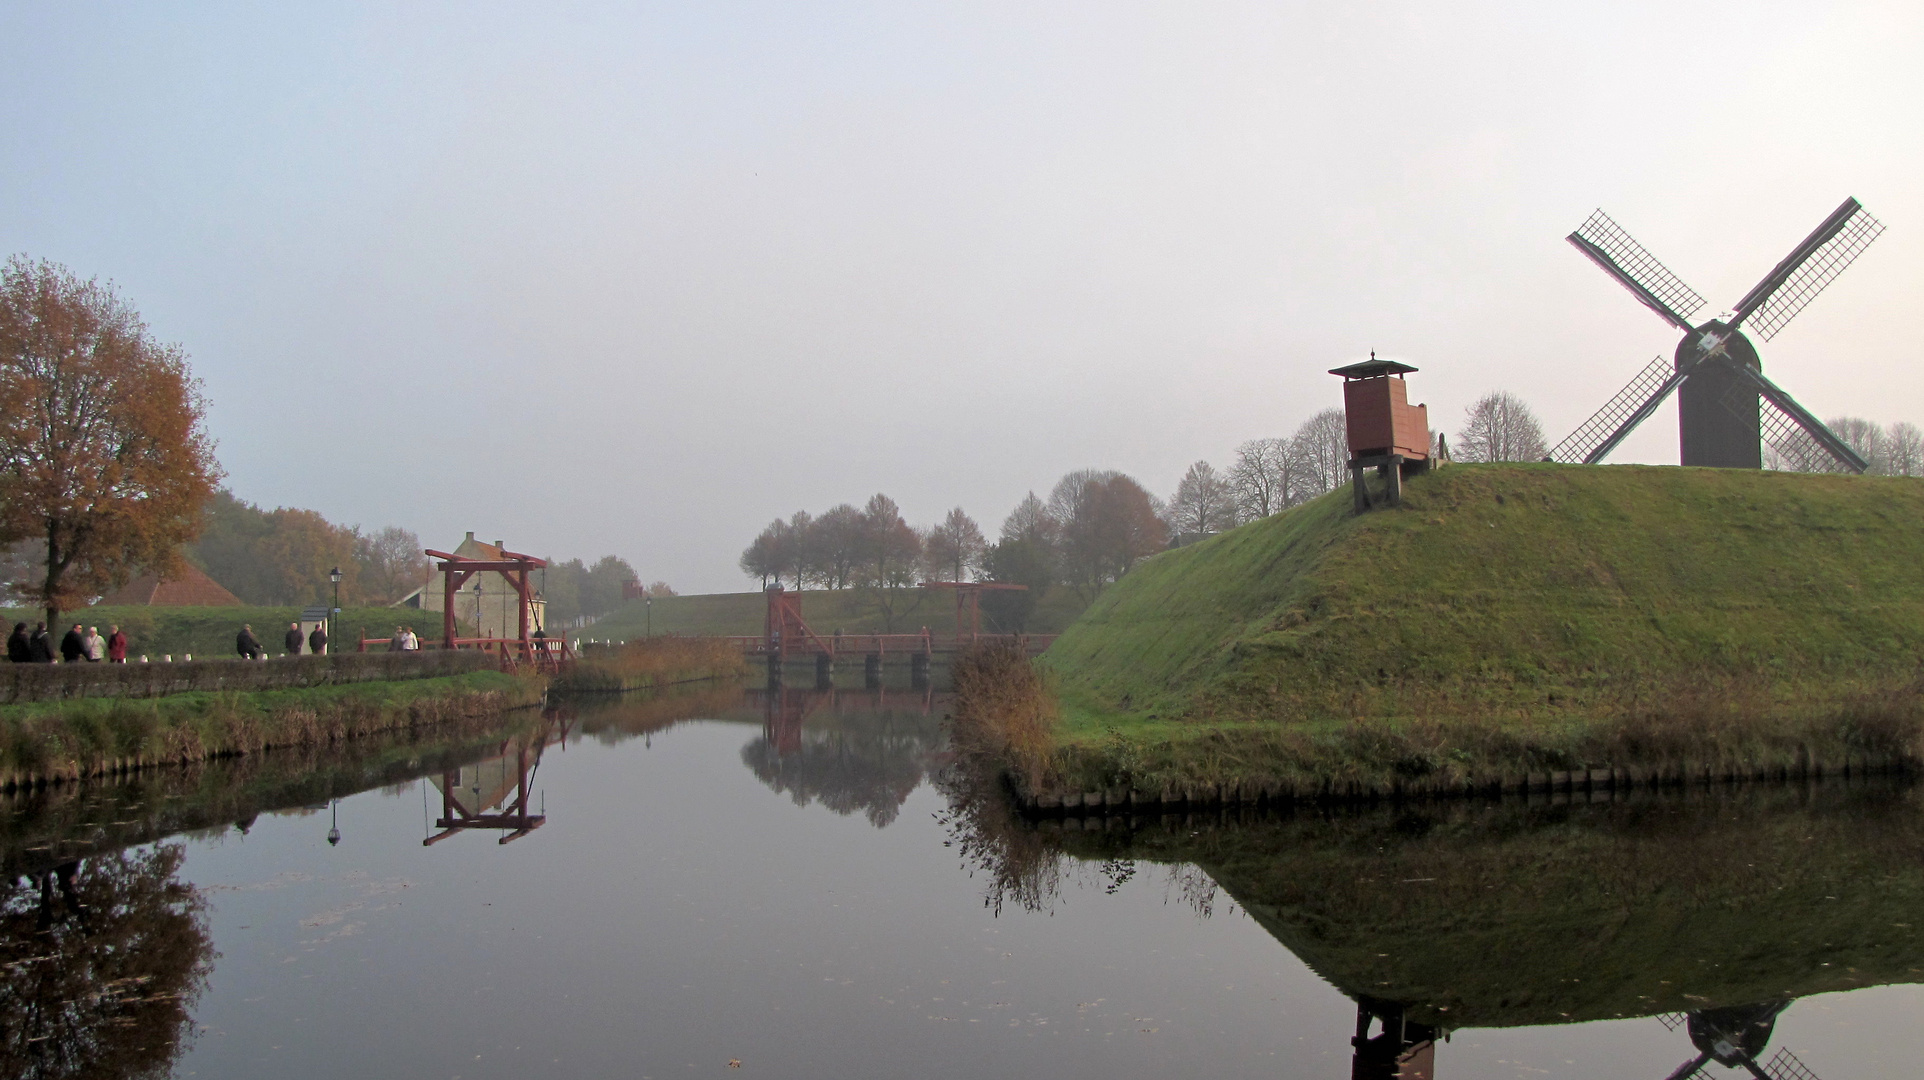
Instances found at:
x=854 y=611
x=1517 y=590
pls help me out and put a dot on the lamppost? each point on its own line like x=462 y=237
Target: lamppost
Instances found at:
x=333 y=631
x=648 y=606
x=477 y=609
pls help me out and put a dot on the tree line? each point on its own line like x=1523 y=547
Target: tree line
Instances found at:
x=1097 y=524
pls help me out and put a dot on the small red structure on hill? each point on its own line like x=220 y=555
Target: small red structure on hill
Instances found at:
x=1386 y=432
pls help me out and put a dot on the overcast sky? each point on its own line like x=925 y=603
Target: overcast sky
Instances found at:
x=637 y=278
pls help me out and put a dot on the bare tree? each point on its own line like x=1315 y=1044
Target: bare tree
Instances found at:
x=1866 y=438
x=1204 y=503
x=391 y=563
x=1031 y=521
x=954 y=546
x=838 y=545
x=1107 y=523
x=762 y=558
x=1321 y=449
x=1500 y=427
x=1904 y=449
x=1265 y=478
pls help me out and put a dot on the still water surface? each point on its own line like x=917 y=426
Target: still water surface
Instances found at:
x=730 y=883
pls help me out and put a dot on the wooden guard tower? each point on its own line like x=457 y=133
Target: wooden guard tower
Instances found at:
x=1386 y=432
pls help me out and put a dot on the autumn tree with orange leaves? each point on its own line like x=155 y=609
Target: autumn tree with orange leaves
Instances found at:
x=103 y=458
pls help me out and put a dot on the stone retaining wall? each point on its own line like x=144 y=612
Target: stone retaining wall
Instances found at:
x=21 y=683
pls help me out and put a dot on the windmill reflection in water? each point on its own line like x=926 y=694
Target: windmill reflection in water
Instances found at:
x=1735 y=1037
x=495 y=792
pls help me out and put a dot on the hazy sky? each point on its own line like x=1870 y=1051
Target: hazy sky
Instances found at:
x=637 y=278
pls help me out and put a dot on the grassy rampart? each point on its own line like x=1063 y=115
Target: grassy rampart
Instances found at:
x=1510 y=620
x=853 y=611
x=63 y=740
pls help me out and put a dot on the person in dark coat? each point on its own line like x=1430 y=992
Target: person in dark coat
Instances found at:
x=293 y=639
x=18 y=650
x=317 y=641
x=116 y=646
x=247 y=644
x=40 y=644
x=73 y=647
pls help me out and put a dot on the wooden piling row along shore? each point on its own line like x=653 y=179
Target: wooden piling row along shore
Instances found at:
x=1591 y=784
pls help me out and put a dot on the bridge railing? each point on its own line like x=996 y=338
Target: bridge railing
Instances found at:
x=542 y=654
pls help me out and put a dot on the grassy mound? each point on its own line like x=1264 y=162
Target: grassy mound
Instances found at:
x=1525 y=616
x=855 y=611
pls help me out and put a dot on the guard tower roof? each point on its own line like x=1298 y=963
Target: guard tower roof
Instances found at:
x=1371 y=368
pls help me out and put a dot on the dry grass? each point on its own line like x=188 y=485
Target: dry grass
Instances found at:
x=651 y=663
x=1005 y=709
x=1006 y=713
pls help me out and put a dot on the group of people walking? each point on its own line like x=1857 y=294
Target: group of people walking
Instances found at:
x=249 y=646
x=82 y=644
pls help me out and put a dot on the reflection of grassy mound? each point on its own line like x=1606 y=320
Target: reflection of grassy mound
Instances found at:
x=1509 y=916
x=1526 y=600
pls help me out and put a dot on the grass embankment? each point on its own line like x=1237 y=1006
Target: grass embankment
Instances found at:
x=45 y=827
x=854 y=611
x=649 y=664
x=1508 y=620
x=208 y=632
x=63 y=740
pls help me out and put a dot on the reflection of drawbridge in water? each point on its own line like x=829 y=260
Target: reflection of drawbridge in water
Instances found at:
x=784 y=711
x=501 y=783
x=850 y=751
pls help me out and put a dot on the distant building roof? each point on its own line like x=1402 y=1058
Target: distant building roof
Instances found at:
x=188 y=587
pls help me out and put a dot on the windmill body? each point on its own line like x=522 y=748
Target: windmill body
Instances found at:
x=1719 y=419
x=1727 y=411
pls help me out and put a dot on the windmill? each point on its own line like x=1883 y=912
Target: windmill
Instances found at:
x=1726 y=409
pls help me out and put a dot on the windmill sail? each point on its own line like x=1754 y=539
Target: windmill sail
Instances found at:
x=1597 y=436
x=1798 y=441
x=1806 y=271
x=1785 y=1066
x=1650 y=281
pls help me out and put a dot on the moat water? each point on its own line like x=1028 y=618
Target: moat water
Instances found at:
x=737 y=882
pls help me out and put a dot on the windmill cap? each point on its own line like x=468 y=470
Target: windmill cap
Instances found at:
x=1371 y=368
